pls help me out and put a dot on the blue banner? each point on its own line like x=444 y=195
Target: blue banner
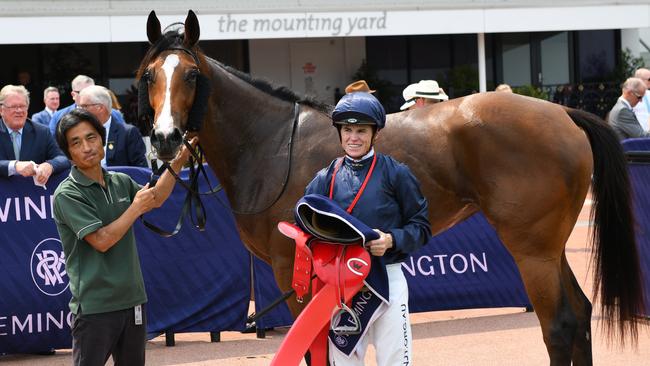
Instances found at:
x=640 y=176
x=196 y=281
x=464 y=267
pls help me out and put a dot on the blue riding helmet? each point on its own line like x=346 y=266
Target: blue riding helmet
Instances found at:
x=359 y=108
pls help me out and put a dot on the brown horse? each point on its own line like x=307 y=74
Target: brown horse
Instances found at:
x=526 y=164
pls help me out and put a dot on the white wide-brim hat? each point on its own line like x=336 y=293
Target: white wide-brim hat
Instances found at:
x=424 y=89
x=430 y=89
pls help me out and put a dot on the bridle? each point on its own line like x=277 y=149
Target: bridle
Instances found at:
x=193 y=126
x=202 y=94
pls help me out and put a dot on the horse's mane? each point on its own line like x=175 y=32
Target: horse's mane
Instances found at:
x=281 y=92
x=173 y=38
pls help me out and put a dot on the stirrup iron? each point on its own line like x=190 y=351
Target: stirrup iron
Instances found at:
x=354 y=329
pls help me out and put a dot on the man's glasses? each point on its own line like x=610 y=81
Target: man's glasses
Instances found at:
x=639 y=97
x=86 y=106
x=15 y=108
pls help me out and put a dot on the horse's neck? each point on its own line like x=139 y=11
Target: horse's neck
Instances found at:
x=252 y=131
x=246 y=114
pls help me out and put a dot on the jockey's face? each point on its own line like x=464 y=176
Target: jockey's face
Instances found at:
x=356 y=140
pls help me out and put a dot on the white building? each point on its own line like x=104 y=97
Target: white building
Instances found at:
x=315 y=47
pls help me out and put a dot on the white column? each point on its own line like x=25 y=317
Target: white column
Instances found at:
x=482 y=79
x=630 y=40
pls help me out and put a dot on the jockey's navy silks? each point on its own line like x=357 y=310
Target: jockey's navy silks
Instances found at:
x=391 y=202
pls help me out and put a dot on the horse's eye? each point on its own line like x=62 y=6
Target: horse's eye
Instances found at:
x=192 y=75
x=147 y=76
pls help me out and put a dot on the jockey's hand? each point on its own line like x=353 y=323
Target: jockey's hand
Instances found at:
x=379 y=246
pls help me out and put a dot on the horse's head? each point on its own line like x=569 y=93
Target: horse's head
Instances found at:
x=172 y=90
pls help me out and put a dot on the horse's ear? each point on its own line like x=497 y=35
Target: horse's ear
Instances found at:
x=192 y=30
x=153 y=28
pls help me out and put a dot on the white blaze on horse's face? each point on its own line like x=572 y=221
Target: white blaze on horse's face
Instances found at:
x=165 y=121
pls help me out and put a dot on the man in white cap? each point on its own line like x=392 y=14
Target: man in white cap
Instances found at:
x=422 y=94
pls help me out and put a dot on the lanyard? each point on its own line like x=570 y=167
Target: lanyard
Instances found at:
x=363 y=186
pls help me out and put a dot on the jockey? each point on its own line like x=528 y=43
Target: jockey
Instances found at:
x=384 y=194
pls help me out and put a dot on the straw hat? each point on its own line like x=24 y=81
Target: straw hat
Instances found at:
x=358 y=86
x=424 y=89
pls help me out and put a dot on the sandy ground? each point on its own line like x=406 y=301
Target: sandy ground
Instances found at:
x=507 y=336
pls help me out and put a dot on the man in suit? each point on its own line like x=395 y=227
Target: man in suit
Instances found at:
x=78 y=84
x=124 y=145
x=26 y=148
x=51 y=99
x=622 y=117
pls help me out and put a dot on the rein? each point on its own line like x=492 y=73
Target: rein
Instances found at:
x=193 y=197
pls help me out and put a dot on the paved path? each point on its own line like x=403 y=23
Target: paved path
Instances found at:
x=461 y=338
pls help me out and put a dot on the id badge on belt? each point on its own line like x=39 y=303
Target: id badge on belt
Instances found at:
x=138 y=314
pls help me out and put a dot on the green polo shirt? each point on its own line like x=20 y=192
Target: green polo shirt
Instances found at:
x=99 y=282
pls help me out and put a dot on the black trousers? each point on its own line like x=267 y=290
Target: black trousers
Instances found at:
x=95 y=337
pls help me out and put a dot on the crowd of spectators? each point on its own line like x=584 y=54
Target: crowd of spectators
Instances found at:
x=28 y=146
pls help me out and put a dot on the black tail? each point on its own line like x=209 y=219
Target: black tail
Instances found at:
x=617 y=277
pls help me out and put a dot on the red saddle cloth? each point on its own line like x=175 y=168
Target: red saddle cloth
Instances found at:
x=340 y=271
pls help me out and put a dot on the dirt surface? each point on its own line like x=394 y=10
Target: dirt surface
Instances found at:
x=506 y=336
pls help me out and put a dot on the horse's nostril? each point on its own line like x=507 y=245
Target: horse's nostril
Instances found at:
x=177 y=136
x=156 y=139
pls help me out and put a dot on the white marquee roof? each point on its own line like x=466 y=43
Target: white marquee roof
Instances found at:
x=72 y=21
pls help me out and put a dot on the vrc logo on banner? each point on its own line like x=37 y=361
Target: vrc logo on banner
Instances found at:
x=48 y=267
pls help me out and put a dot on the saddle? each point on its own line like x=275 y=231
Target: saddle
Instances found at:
x=331 y=242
